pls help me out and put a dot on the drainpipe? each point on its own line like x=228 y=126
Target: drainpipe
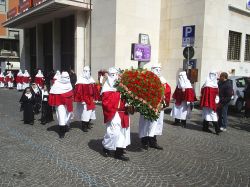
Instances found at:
x=90 y=33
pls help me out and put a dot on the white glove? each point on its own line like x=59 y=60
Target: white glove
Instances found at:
x=83 y=103
x=45 y=99
x=188 y=103
x=217 y=99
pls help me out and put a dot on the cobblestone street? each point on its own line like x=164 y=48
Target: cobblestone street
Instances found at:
x=35 y=156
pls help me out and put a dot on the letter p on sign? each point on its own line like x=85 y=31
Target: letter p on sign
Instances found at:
x=188 y=31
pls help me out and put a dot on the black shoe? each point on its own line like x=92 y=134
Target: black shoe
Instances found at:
x=84 y=127
x=124 y=152
x=67 y=128
x=145 y=146
x=207 y=130
x=106 y=153
x=61 y=136
x=122 y=157
x=156 y=146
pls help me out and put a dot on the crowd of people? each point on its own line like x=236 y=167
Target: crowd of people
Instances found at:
x=64 y=90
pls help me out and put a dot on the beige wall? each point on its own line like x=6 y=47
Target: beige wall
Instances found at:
x=103 y=35
x=217 y=24
x=174 y=15
x=132 y=18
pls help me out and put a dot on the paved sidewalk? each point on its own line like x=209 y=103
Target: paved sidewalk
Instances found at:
x=35 y=156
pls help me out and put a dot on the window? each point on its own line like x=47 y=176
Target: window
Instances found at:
x=14 y=34
x=2 y=5
x=234 y=44
x=247 y=48
x=241 y=83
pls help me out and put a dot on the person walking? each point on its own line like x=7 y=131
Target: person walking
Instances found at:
x=9 y=80
x=26 y=79
x=184 y=96
x=117 y=136
x=225 y=95
x=2 y=80
x=19 y=80
x=148 y=130
x=247 y=99
x=209 y=99
x=47 y=113
x=85 y=95
x=73 y=78
x=39 y=79
x=61 y=97
x=27 y=106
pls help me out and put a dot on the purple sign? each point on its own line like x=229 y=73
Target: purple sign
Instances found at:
x=141 y=52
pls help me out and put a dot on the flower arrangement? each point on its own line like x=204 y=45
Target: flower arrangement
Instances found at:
x=143 y=90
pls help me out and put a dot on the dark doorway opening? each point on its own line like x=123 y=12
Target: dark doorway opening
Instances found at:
x=48 y=48
x=33 y=63
x=67 y=43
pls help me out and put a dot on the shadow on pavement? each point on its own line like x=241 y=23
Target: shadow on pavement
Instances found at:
x=76 y=125
x=54 y=128
x=135 y=143
x=96 y=145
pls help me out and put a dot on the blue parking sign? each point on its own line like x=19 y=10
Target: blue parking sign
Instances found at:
x=188 y=35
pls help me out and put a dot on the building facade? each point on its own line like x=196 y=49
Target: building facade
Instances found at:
x=9 y=40
x=68 y=34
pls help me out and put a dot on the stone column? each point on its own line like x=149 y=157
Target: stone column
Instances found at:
x=24 y=39
x=56 y=44
x=80 y=29
x=39 y=47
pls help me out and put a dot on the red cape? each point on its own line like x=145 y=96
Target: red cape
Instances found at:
x=188 y=95
x=62 y=99
x=167 y=93
x=9 y=79
x=208 y=95
x=2 y=79
x=110 y=102
x=26 y=79
x=19 y=79
x=39 y=81
x=86 y=93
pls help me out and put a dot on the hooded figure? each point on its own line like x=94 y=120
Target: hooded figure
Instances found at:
x=85 y=95
x=37 y=93
x=209 y=99
x=56 y=76
x=26 y=79
x=19 y=80
x=61 y=96
x=27 y=106
x=2 y=80
x=47 y=113
x=117 y=121
x=148 y=130
x=39 y=79
x=9 y=79
x=184 y=96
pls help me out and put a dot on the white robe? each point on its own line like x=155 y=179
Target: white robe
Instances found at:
x=10 y=84
x=82 y=114
x=116 y=136
x=150 y=128
x=63 y=116
x=19 y=86
x=209 y=115
x=181 y=112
